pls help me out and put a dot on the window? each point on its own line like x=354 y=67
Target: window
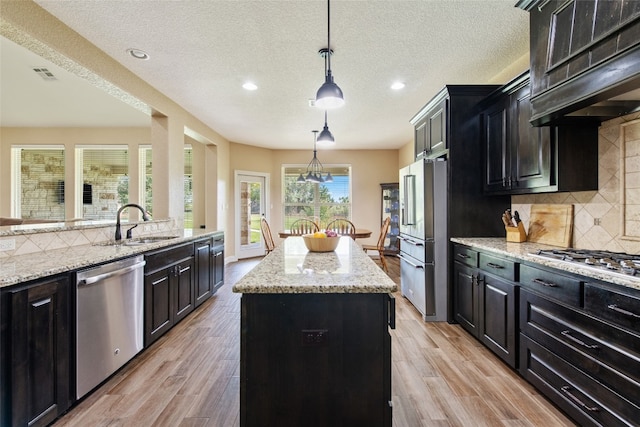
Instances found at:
x=321 y=201
x=106 y=170
x=146 y=169
x=38 y=182
x=188 y=187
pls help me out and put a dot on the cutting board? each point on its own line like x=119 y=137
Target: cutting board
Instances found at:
x=551 y=225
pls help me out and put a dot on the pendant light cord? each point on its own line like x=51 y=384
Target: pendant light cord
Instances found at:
x=329 y=33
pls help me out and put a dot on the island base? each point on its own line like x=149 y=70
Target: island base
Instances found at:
x=316 y=360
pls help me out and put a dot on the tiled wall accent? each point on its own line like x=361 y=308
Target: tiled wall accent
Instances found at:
x=597 y=214
x=49 y=239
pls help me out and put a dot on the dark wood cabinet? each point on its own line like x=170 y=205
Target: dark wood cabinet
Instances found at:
x=218 y=262
x=497 y=316
x=430 y=129
x=485 y=298
x=520 y=158
x=315 y=360
x=36 y=322
x=169 y=289
x=583 y=52
x=204 y=267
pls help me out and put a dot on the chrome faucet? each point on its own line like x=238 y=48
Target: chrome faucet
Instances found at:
x=145 y=217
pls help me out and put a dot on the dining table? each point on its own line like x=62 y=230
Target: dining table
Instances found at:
x=361 y=233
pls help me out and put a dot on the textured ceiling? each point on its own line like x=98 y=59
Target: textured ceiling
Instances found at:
x=201 y=52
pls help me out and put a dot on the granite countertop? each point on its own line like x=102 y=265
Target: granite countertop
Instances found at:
x=526 y=251
x=291 y=269
x=23 y=268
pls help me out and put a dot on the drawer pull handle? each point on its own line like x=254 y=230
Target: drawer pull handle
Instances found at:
x=464 y=256
x=543 y=283
x=492 y=265
x=614 y=307
x=567 y=390
x=578 y=341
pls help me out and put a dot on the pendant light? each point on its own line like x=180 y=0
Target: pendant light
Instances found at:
x=315 y=169
x=325 y=136
x=329 y=95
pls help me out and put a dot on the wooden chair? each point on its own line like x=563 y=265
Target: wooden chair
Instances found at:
x=343 y=227
x=304 y=226
x=266 y=235
x=380 y=245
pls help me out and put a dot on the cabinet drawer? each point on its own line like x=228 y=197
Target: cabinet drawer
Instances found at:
x=498 y=266
x=610 y=355
x=585 y=400
x=164 y=257
x=465 y=255
x=563 y=288
x=616 y=307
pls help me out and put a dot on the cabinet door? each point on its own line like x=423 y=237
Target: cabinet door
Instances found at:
x=40 y=349
x=184 y=289
x=157 y=304
x=437 y=136
x=496 y=150
x=530 y=147
x=497 y=324
x=465 y=282
x=218 y=267
x=204 y=268
x=420 y=137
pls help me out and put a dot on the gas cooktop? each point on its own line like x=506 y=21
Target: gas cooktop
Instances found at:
x=626 y=265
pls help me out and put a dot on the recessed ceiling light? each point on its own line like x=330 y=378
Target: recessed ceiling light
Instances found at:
x=397 y=86
x=250 y=86
x=138 y=54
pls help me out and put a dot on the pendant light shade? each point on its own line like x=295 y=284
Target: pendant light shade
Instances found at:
x=329 y=95
x=325 y=136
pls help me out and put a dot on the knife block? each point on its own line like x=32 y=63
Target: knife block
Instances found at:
x=516 y=234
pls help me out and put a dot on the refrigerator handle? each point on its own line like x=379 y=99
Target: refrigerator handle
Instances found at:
x=392 y=312
x=409 y=217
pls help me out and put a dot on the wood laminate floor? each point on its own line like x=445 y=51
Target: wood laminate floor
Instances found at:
x=441 y=376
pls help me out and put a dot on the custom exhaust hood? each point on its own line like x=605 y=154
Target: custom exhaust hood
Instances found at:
x=585 y=59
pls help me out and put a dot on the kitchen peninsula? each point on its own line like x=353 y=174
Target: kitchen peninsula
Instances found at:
x=315 y=345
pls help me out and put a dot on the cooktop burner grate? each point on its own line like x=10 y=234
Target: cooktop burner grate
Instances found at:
x=605 y=261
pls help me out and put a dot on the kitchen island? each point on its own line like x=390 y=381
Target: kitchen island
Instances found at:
x=315 y=345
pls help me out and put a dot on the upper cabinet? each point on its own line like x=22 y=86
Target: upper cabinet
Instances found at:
x=430 y=129
x=585 y=58
x=520 y=158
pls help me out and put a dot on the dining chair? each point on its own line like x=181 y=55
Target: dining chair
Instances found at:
x=343 y=227
x=304 y=226
x=380 y=245
x=266 y=234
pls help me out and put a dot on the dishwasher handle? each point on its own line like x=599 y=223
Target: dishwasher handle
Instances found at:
x=97 y=278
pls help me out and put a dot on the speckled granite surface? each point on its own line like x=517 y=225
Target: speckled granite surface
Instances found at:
x=23 y=268
x=526 y=251
x=291 y=268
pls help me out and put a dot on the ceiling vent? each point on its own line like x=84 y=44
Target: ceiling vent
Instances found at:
x=44 y=73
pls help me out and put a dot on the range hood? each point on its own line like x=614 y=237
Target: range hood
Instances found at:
x=585 y=59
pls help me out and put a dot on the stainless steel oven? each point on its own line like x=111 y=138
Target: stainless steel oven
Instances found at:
x=109 y=320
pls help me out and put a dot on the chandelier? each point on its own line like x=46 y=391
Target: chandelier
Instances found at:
x=315 y=169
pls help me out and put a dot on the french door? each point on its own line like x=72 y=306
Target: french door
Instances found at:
x=251 y=205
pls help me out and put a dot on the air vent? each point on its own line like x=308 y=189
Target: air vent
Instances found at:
x=44 y=73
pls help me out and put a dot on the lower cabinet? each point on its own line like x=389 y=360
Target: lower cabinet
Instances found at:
x=35 y=364
x=209 y=257
x=169 y=289
x=484 y=303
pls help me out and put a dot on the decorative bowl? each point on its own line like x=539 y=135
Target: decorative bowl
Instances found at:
x=320 y=244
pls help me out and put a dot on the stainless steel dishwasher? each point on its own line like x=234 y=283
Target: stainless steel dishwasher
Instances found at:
x=109 y=320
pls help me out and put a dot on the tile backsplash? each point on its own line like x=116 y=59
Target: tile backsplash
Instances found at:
x=601 y=217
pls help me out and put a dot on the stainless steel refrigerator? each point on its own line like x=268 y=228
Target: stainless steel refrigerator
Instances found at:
x=424 y=238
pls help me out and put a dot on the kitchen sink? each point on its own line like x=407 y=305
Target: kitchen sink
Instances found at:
x=136 y=242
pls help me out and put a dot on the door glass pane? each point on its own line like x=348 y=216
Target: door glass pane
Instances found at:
x=250 y=212
x=188 y=187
